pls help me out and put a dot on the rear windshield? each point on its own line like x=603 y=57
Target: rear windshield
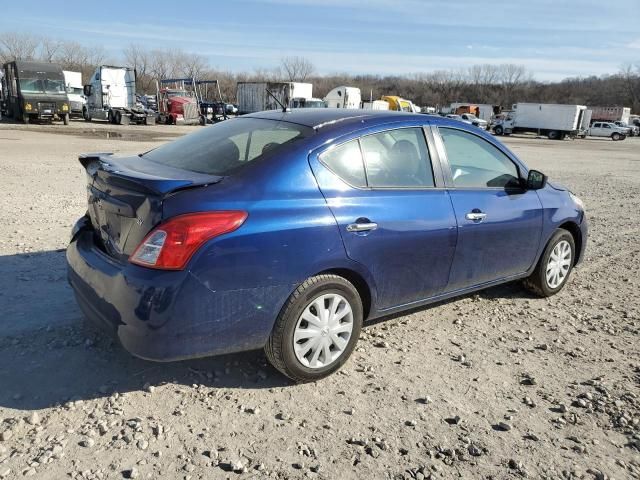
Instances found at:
x=225 y=147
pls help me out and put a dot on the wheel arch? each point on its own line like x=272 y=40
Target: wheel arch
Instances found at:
x=359 y=282
x=576 y=233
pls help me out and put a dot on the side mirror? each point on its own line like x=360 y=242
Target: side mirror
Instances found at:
x=536 y=180
x=88 y=90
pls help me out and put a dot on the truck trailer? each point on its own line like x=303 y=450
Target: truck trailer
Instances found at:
x=34 y=91
x=610 y=114
x=77 y=100
x=552 y=120
x=111 y=96
x=484 y=111
x=253 y=96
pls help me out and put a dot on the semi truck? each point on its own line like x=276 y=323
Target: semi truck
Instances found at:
x=176 y=101
x=111 y=96
x=610 y=114
x=552 y=120
x=77 y=100
x=34 y=91
x=344 y=97
x=254 y=96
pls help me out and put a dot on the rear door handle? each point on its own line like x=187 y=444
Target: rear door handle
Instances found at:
x=361 y=227
x=476 y=216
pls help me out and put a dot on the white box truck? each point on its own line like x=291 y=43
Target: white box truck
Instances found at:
x=375 y=105
x=253 y=96
x=343 y=97
x=553 y=120
x=111 y=96
x=77 y=100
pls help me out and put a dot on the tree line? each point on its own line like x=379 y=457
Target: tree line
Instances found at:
x=502 y=84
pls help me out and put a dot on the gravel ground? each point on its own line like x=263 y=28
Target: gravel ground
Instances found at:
x=495 y=385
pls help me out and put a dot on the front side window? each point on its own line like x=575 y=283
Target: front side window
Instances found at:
x=397 y=158
x=224 y=148
x=475 y=163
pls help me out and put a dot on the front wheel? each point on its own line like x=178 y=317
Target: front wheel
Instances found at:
x=616 y=136
x=498 y=130
x=555 y=265
x=317 y=329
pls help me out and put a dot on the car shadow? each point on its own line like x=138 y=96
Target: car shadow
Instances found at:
x=49 y=356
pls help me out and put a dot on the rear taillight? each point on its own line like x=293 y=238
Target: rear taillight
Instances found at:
x=171 y=244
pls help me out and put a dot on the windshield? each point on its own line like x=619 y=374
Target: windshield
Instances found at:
x=314 y=104
x=41 y=85
x=74 y=90
x=225 y=147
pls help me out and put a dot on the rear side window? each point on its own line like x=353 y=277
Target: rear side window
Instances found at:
x=224 y=148
x=475 y=163
x=397 y=158
x=346 y=161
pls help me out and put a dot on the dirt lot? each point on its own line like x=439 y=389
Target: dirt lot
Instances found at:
x=496 y=385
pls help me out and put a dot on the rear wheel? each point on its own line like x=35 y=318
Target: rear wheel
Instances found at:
x=553 y=135
x=317 y=329
x=555 y=265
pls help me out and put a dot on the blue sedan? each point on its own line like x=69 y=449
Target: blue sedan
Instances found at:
x=287 y=230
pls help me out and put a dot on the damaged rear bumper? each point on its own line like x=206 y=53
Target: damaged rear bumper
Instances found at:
x=168 y=315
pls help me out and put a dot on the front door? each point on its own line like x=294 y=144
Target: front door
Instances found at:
x=393 y=217
x=499 y=222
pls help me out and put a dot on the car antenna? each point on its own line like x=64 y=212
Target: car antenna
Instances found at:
x=284 y=109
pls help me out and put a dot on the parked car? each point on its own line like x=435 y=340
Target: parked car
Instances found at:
x=265 y=232
x=231 y=108
x=607 y=129
x=475 y=121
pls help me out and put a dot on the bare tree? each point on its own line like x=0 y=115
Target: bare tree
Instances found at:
x=18 y=46
x=49 y=48
x=510 y=76
x=297 y=69
x=139 y=58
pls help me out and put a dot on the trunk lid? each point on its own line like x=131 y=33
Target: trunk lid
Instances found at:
x=125 y=198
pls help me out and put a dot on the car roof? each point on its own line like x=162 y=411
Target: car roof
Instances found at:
x=329 y=118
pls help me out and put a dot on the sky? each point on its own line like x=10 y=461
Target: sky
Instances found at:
x=553 y=39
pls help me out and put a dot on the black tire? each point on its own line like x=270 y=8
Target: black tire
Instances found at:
x=85 y=115
x=499 y=130
x=117 y=118
x=537 y=281
x=615 y=136
x=65 y=119
x=553 y=135
x=110 y=117
x=280 y=348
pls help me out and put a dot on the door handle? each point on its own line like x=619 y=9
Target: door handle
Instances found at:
x=361 y=227
x=475 y=216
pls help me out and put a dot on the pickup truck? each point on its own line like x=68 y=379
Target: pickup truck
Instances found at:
x=475 y=121
x=607 y=129
x=632 y=130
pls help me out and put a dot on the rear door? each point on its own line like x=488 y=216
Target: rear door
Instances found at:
x=393 y=213
x=499 y=222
